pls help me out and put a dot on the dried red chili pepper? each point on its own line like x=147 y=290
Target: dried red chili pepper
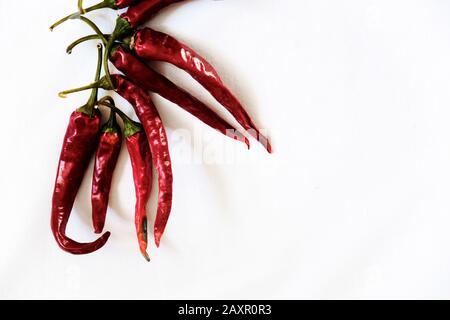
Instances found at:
x=79 y=146
x=141 y=162
x=152 y=45
x=157 y=139
x=106 y=157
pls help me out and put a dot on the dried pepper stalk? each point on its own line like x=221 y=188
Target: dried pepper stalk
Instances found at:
x=78 y=148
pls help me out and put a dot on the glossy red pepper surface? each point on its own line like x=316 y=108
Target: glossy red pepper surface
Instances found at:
x=79 y=146
x=141 y=162
x=108 y=151
x=152 y=45
x=157 y=139
x=141 y=12
x=151 y=80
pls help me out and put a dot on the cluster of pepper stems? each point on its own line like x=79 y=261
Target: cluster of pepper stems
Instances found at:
x=128 y=49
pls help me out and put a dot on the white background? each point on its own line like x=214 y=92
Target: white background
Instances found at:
x=355 y=202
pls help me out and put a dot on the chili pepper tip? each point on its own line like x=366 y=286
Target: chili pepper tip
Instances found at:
x=247 y=142
x=269 y=148
x=146 y=256
x=62 y=95
x=158 y=236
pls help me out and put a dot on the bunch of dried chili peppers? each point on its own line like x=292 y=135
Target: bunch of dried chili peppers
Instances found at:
x=128 y=49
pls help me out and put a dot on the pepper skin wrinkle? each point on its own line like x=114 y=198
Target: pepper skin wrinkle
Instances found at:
x=152 y=45
x=157 y=139
x=141 y=160
x=141 y=12
x=151 y=80
x=106 y=158
x=78 y=148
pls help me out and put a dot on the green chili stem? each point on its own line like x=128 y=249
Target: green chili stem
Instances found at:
x=101 y=84
x=111 y=125
x=106 y=64
x=122 y=29
x=95 y=28
x=130 y=127
x=76 y=15
x=92 y=102
x=94 y=95
x=108 y=44
x=80 y=7
x=81 y=40
x=63 y=94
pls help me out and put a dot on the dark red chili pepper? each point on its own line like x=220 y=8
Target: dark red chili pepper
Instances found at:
x=152 y=45
x=141 y=12
x=78 y=148
x=157 y=139
x=108 y=151
x=150 y=80
x=141 y=162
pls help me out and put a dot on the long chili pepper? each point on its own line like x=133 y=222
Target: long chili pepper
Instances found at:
x=152 y=45
x=151 y=80
x=106 y=157
x=79 y=146
x=112 y=4
x=157 y=139
x=141 y=161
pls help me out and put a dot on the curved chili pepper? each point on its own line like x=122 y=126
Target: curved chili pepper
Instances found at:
x=157 y=139
x=106 y=158
x=152 y=45
x=141 y=162
x=78 y=148
x=151 y=80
